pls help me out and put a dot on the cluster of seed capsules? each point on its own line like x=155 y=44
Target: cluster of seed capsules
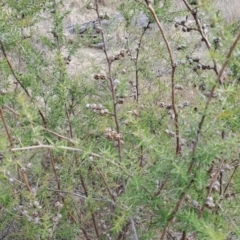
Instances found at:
x=97 y=108
x=198 y=65
x=118 y=56
x=112 y=134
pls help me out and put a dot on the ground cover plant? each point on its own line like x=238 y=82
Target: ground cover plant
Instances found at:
x=121 y=124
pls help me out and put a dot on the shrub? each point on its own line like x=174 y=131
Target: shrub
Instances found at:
x=135 y=139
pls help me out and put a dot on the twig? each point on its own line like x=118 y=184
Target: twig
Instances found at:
x=18 y=80
x=54 y=171
x=108 y=189
x=216 y=174
x=230 y=179
x=92 y=214
x=46 y=146
x=58 y=135
x=11 y=110
x=173 y=66
x=200 y=125
x=200 y=30
x=114 y=105
x=6 y=128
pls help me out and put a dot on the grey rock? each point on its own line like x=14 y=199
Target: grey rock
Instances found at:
x=97 y=45
x=140 y=20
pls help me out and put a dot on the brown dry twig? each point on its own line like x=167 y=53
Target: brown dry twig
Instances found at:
x=194 y=148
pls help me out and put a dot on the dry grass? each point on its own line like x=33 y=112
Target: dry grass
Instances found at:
x=230 y=10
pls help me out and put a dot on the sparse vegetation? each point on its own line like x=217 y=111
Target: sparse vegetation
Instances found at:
x=119 y=120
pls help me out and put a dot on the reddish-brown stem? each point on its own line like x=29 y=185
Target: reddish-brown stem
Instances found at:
x=161 y=188
x=136 y=61
x=69 y=122
x=54 y=171
x=11 y=110
x=200 y=30
x=200 y=125
x=174 y=66
x=25 y=179
x=18 y=81
x=85 y=233
x=9 y=139
x=176 y=208
x=230 y=179
x=6 y=128
x=114 y=102
x=93 y=216
x=108 y=189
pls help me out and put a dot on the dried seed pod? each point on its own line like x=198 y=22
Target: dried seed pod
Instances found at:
x=108 y=129
x=98 y=29
x=178 y=87
x=116 y=82
x=118 y=136
x=36 y=203
x=97 y=76
x=161 y=104
x=215 y=188
x=209 y=203
x=184 y=29
x=91 y=159
x=135 y=113
x=117 y=57
x=114 y=134
x=180 y=106
x=209 y=199
x=58 y=205
x=199 y=66
x=55 y=219
x=195 y=69
x=195 y=203
x=182 y=141
x=111 y=58
x=102 y=77
x=196 y=59
x=93 y=106
x=123 y=71
x=99 y=106
x=176 y=25
x=90 y=6
x=125 y=122
x=170 y=133
x=188 y=197
x=204 y=67
x=29 y=165
x=122 y=52
x=108 y=135
x=120 y=101
x=183 y=22
x=190 y=60
x=101 y=112
x=168 y=106
x=11 y=180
